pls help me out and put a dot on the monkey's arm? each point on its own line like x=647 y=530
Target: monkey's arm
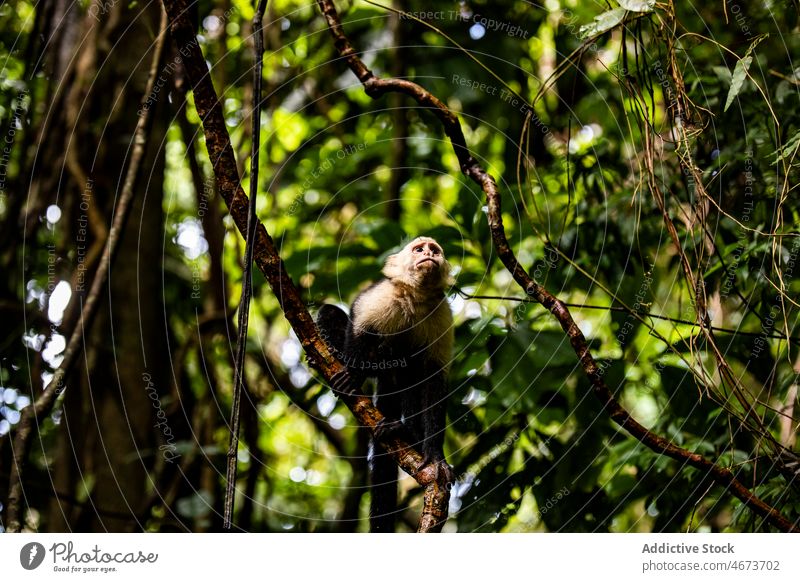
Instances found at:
x=350 y=380
x=361 y=350
x=335 y=326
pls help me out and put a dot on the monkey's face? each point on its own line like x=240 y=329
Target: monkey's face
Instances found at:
x=426 y=255
x=421 y=262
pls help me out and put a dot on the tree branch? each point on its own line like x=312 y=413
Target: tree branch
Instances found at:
x=376 y=87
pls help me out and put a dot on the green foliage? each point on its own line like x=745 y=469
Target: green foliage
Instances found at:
x=604 y=22
x=533 y=448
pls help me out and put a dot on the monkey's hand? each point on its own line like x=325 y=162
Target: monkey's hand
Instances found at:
x=345 y=384
x=386 y=429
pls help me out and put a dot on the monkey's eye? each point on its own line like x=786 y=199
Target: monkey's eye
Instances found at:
x=417 y=249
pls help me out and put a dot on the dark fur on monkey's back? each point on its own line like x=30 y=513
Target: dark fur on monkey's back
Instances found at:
x=400 y=331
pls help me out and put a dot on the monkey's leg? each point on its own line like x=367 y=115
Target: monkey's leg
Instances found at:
x=425 y=412
x=383 y=469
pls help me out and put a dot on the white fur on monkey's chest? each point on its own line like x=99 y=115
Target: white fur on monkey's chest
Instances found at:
x=390 y=309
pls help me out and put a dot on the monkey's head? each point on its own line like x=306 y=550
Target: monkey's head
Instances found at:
x=421 y=263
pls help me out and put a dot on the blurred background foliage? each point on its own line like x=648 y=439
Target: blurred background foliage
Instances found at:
x=345 y=181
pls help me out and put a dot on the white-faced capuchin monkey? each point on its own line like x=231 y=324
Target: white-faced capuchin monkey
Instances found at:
x=400 y=331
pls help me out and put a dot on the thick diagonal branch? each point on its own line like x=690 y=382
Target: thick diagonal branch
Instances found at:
x=376 y=87
x=266 y=257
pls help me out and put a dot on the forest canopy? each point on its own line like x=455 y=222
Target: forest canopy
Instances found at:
x=614 y=185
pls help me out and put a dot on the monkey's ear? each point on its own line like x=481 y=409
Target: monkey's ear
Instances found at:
x=393 y=268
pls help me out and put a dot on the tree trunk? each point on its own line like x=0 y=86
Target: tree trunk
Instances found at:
x=110 y=429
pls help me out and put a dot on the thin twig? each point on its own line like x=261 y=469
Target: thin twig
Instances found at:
x=626 y=309
x=247 y=274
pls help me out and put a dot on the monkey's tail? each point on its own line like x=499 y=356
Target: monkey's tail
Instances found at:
x=383 y=506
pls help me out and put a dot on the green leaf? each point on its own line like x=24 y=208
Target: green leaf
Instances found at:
x=603 y=22
x=737 y=80
x=638 y=5
x=788 y=150
x=484 y=497
x=740 y=72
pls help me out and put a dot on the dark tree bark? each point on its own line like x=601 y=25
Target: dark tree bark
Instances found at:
x=108 y=429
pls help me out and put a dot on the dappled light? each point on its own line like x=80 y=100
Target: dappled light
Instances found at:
x=513 y=267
